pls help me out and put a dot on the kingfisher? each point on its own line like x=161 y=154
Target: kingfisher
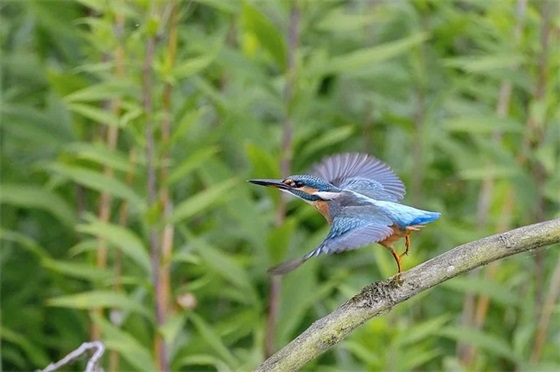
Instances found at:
x=359 y=196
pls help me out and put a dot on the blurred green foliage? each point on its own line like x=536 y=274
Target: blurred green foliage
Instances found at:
x=461 y=98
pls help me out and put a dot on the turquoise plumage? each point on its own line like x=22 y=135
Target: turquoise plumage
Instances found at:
x=359 y=196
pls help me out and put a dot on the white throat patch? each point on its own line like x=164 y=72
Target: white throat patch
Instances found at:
x=325 y=195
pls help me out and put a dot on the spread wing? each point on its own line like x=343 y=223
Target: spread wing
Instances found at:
x=349 y=232
x=346 y=233
x=361 y=173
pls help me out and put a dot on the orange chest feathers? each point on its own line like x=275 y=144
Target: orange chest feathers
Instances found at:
x=323 y=208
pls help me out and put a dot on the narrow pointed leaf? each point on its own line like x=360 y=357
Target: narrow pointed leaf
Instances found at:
x=485 y=63
x=192 y=162
x=482 y=340
x=32 y=350
x=103 y=91
x=100 y=154
x=203 y=200
x=100 y=298
x=494 y=290
x=225 y=266
x=99 y=182
x=368 y=56
x=125 y=344
x=25 y=241
x=33 y=197
x=96 y=114
x=268 y=36
x=208 y=334
x=173 y=325
x=130 y=244
x=192 y=66
x=329 y=138
x=77 y=270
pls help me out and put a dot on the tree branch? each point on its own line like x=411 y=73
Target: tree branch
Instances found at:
x=379 y=297
x=92 y=365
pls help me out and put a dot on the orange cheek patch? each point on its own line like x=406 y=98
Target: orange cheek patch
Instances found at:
x=308 y=190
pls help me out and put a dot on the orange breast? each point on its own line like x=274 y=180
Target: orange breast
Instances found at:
x=323 y=208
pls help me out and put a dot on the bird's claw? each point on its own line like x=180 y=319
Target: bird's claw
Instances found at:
x=397 y=281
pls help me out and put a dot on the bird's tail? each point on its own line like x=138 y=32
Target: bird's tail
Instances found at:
x=287 y=266
x=425 y=217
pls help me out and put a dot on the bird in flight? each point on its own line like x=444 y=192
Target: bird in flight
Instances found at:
x=359 y=196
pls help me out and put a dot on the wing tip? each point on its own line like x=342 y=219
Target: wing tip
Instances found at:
x=339 y=167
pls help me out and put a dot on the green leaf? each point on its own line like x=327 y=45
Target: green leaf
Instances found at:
x=369 y=56
x=33 y=197
x=481 y=340
x=33 y=351
x=340 y=20
x=125 y=344
x=77 y=270
x=83 y=246
x=226 y=266
x=98 y=181
x=361 y=351
x=268 y=36
x=173 y=325
x=103 y=91
x=300 y=292
x=45 y=127
x=130 y=244
x=201 y=360
x=223 y=6
x=326 y=139
x=481 y=124
x=496 y=291
x=101 y=154
x=25 y=241
x=485 y=63
x=495 y=172
x=192 y=66
x=416 y=357
x=263 y=162
x=98 y=115
x=203 y=200
x=185 y=122
x=100 y=298
x=421 y=331
x=208 y=334
x=191 y=162
x=278 y=240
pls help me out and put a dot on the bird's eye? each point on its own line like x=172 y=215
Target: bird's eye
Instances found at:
x=291 y=183
x=288 y=182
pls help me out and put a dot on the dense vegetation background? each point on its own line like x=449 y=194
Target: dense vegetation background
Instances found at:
x=130 y=127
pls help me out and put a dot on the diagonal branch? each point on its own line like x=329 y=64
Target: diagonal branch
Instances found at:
x=380 y=297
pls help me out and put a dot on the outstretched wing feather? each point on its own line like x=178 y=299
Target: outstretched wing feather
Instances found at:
x=347 y=232
x=362 y=173
x=351 y=233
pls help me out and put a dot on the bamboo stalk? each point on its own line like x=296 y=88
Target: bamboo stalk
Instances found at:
x=475 y=310
x=287 y=139
x=151 y=186
x=165 y=196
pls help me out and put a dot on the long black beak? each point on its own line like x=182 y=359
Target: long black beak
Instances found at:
x=271 y=183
